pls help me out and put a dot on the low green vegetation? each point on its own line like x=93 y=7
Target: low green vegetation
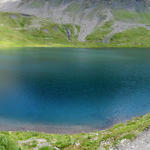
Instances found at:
x=100 y=32
x=74 y=7
x=105 y=139
x=139 y=37
x=8 y=143
x=132 y=16
x=20 y=30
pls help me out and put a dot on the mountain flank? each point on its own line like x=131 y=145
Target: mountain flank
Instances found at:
x=86 y=23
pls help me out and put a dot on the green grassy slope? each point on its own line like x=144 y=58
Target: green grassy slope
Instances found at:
x=139 y=37
x=83 y=141
x=17 y=30
x=132 y=16
x=100 y=32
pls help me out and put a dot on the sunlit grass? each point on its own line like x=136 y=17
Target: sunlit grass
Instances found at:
x=138 y=37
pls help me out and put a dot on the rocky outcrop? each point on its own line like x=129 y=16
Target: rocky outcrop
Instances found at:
x=142 y=142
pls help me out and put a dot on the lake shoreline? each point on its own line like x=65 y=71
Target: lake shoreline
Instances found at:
x=50 y=129
x=8 y=125
x=75 y=46
x=113 y=138
x=14 y=125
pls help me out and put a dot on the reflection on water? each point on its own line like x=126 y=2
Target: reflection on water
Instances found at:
x=65 y=86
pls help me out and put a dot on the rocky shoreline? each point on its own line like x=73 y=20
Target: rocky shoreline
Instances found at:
x=14 y=125
x=142 y=142
x=131 y=135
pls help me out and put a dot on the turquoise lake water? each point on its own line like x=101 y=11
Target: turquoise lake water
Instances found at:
x=68 y=87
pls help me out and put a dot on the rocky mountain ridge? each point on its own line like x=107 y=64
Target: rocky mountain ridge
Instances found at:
x=87 y=14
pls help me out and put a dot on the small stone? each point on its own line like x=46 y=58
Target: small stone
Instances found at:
x=45 y=30
x=77 y=144
x=13 y=16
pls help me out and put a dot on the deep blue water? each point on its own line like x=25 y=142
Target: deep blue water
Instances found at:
x=65 y=86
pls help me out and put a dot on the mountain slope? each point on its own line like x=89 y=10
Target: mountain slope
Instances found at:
x=92 y=23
